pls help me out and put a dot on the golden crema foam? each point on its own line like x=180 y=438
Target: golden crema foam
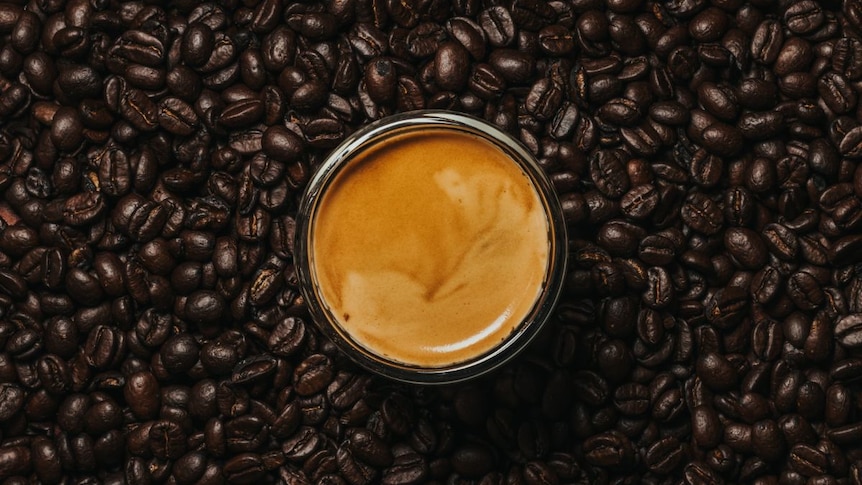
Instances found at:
x=431 y=247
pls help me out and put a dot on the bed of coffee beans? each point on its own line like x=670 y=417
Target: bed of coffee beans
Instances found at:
x=706 y=154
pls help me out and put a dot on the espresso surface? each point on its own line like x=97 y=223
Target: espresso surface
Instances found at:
x=431 y=247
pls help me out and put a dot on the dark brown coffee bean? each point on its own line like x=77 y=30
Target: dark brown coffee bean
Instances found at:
x=244 y=468
x=719 y=100
x=67 y=130
x=498 y=26
x=795 y=55
x=246 y=112
x=746 y=246
x=544 y=99
x=514 y=66
x=760 y=125
x=620 y=111
x=803 y=17
x=837 y=93
x=722 y=139
x=138 y=109
x=767 y=441
x=846 y=58
x=177 y=116
x=665 y=455
x=487 y=83
x=281 y=144
x=313 y=25
x=706 y=427
x=632 y=399
x=608 y=173
x=451 y=63
x=845 y=434
x=15 y=460
x=702 y=214
x=851 y=143
x=425 y=39
x=848 y=331
x=766 y=42
x=608 y=449
x=716 y=372
x=556 y=40
x=804 y=290
x=640 y=202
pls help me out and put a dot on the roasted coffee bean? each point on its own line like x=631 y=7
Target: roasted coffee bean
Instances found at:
x=717 y=372
x=313 y=374
x=640 y=202
x=664 y=456
x=543 y=99
x=848 y=330
x=498 y=26
x=281 y=144
x=451 y=63
x=767 y=440
x=746 y=246
x=803 y=17
x=514 y=66
x=488 y=84
x=836 y=93
x=608 y=449
x=702 y=214
x=608 y=173
x=83 y=208
x=470 y=34
x=851 y=143
x=804 y=290
x=177 y=117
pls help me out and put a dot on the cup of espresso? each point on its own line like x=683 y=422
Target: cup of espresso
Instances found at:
x=430 y=247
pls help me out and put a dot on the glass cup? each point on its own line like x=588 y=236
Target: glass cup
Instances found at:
x=328 y=211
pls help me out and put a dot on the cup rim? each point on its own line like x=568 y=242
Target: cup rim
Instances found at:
x=526 y=330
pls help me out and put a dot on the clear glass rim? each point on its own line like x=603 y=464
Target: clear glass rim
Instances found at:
x=520 y=337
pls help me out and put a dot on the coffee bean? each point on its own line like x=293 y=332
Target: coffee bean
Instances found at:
x=514 y=66
x=179 y=353
x=451 y=63
x=766 y=42
x=244 y=468
x=607 y=172
x=803 y=17
x=845 y=434
x=804 y=290
x=746 y=246
x=716 y=372
x=639 y=202
x=610 y=448
x=837 y=93
x=847 y=331
x=722 y=139
x=845 y=58
x=176 y=116
x=664 y=456
x=706 y=427
x=767 y=440
x=486 y=82
x=544 y=99
x=498 y=26
x=702 y=214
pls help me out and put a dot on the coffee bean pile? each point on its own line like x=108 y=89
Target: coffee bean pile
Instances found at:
x=706 y=154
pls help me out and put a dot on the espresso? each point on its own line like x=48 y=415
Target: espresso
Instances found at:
x=430 y=248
